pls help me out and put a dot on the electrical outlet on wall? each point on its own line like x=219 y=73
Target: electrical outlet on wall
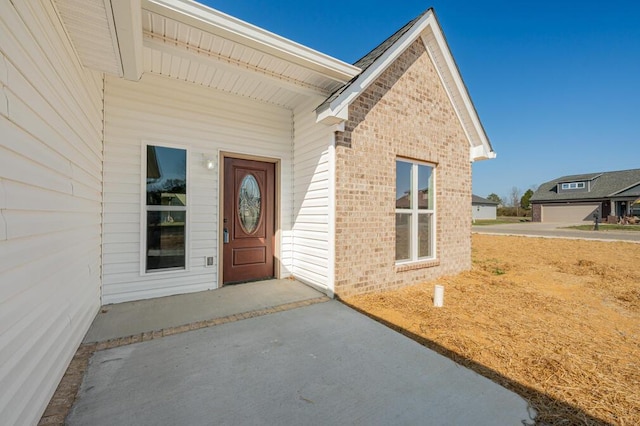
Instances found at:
x=208 y=261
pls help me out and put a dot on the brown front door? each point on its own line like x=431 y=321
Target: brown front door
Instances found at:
x=248 y=223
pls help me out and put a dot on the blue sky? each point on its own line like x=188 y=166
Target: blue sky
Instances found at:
x=556 y=84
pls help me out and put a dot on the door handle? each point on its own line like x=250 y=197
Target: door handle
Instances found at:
x=225 y=233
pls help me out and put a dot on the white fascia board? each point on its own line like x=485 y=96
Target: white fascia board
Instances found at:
x=337 y=108
x=218 y=23
x=457 y=90
x=329 y=117
x=450 y=77
x=127 y=17
x=113 y=34
x=480 y=152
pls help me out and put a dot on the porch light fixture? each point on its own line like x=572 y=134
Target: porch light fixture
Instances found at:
x=209 y=162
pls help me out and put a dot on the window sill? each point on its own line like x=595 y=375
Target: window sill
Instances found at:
x=164 y=271
x=420 y=264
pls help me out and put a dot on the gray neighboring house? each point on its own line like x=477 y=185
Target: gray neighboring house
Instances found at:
x=484 y=209
x=577 y=198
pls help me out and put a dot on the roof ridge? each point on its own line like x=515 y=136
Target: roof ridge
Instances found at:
x=371 y=56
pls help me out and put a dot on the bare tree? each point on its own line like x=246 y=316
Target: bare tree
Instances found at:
x=514 y=199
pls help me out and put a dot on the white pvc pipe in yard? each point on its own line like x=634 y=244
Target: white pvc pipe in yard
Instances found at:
x=438 y=296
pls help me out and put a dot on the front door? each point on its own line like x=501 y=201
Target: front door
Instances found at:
x=248 y=223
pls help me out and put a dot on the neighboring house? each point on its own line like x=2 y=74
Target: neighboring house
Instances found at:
x=483 y=209
x=157 y=147
x=578 y=198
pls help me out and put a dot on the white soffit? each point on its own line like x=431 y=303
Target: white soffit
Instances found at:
x=91 y=29
x=191 y=42
x=227 y=27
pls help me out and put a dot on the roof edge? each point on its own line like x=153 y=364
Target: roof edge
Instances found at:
x=127 y=17
x=459 y=87
x=221 y=24
x=625 y=189
x=572 y=178
x=427 y=27
x=352 y=90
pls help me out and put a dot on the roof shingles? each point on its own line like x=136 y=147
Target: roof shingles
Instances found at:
x=367 y=60
x=603 y=185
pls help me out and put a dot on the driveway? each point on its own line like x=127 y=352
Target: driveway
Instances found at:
x=323 y=364
x=555 y=230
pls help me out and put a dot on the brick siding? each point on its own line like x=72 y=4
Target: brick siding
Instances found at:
x=404 y=113
x=536 y=212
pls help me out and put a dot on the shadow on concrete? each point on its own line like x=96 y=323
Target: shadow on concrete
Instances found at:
x=550 y=411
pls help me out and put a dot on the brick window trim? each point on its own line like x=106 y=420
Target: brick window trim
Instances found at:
x=418 y=265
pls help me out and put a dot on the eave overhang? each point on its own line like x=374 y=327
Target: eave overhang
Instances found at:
x=229 y=28
x=188 y=41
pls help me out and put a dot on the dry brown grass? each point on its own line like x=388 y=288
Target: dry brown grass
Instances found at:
x=557 y=321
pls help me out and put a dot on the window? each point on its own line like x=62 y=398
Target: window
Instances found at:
x=573 y=185
x=415 y=211
x=166 y=208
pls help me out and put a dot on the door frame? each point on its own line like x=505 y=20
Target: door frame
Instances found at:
x=276 y=206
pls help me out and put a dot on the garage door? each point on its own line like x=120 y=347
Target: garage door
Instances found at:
x=569 y=213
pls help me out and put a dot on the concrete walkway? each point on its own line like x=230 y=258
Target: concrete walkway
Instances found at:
x=320 y=364
x=132 y=318
x=556 y=230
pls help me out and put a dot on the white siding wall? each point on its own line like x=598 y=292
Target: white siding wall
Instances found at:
x=50 y=206
x=168 y=111
x=313 y=212
x=483 y=212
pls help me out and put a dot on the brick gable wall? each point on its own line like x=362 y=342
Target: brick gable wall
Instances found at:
x=404 y=113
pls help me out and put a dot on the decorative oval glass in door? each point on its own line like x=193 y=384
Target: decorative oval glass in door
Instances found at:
x=249 y=203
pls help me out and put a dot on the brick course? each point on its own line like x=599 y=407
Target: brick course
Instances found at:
x=404 y=113
x=536 y=212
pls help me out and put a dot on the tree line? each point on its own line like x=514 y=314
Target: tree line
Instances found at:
x=516 y=202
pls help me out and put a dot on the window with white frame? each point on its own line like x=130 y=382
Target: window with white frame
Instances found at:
x=166 y=208
x=573 y=185
x=415 y=211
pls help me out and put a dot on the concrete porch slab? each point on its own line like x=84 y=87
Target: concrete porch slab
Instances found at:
x=316 y=365
x=130 y=318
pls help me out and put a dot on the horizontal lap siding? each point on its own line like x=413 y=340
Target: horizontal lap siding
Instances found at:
x=50 y=206
x=311 y=213
x=167 y=111
x=483 y=212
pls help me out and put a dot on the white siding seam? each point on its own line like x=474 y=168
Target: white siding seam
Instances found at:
x=102 y=201
x=3 y=222
x=331 y=238
x=4 y=80
x=292 y=179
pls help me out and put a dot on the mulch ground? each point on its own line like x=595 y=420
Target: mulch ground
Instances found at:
x=557 y=321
